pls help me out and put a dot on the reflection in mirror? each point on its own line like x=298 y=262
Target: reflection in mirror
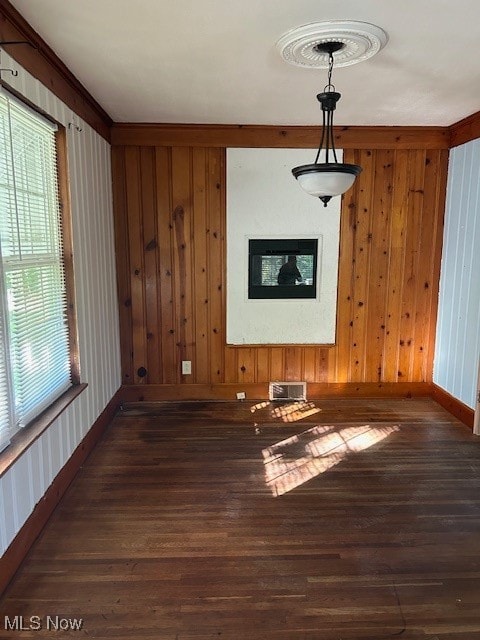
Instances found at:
x=282 y=268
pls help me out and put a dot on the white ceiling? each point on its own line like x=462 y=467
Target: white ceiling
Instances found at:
x=215 y=61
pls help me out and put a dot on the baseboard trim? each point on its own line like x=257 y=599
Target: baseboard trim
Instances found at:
x=21 y=544
x=254 y=391
x=453 y=406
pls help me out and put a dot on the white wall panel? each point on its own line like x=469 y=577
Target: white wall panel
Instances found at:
x=7 y=505
x=96 y=304
x=4 y=537
x=36 y=466
x=265 y=201
x=21 y=492
x=458 y=329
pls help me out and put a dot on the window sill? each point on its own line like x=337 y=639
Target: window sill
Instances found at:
x=24 y=438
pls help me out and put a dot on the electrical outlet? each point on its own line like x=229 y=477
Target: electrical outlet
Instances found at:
x=241 y=395
x=186 y=367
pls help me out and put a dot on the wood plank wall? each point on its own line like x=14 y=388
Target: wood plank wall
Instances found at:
x=170 y=234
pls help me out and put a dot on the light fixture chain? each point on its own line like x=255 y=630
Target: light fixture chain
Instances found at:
x=329 y=85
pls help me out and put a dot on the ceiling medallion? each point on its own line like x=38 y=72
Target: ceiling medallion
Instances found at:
x=360 y=41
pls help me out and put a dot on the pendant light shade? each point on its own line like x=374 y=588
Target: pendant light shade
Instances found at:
x=327 y=178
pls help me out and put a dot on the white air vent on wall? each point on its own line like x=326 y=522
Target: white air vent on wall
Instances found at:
x=288 y=391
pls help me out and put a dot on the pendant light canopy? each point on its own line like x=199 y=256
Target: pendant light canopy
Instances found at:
x=327 y=177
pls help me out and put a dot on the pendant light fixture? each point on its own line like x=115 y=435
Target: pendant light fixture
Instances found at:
x=327 y=177
x=315 y=45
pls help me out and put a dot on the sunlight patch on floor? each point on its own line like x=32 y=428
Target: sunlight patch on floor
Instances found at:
x=292 y=462
x=259 y=405
x=291 y=412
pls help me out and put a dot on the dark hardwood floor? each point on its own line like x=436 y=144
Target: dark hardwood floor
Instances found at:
x=327 y=520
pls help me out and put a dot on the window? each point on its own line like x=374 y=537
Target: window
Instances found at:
x=34 y=334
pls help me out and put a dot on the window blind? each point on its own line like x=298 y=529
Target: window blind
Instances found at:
x=34 y=351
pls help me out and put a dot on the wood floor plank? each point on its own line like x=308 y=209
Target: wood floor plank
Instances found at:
x=341 y=519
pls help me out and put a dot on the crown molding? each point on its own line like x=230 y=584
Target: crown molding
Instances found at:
x=44 y=64
x=465 y=130
x=198 y=135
